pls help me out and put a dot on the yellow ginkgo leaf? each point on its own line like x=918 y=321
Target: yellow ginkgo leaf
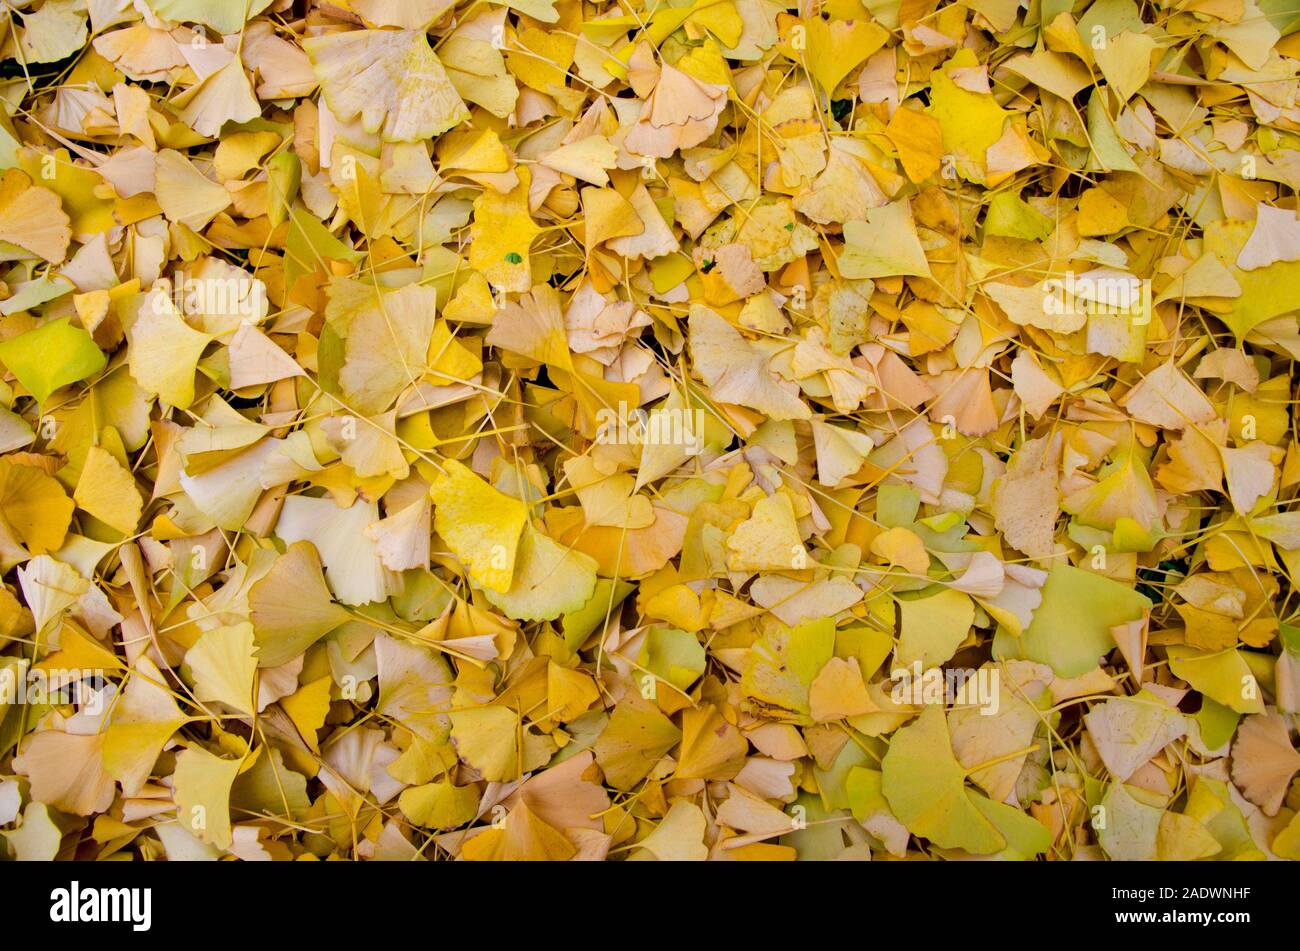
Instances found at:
x=223 y=96
x=523 y=838
x=533 y=326
x=165 y=351
x=884 y=245
x=738 y=372
x=185 y=194
x=439 y=805
x=548 y=580
x=838 y=691
x=66 y=771
x=51 y=356
x=568 y=693
x=919 y=141
x=933 y=628
x=291 y=606
x=390 y=78
x=769 y=539
x=835 y=47
x=50 y=587
x=223 y=666
x=501 y=235
x=221 y=17
x=899 y=546
x=108 y=492
x=481 y=524
x=142 y=722
x=972 y=121
x=53 y=32
x=488 y=739
x=679 y=836
x=201 y=783
x=307 y=707
x=34 y=507
x=925 y=787
x=607 y=498
x=1129 y=731
x=32 y=217
x=637 y=736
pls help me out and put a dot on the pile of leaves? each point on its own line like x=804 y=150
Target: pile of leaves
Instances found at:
x=522 y=429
